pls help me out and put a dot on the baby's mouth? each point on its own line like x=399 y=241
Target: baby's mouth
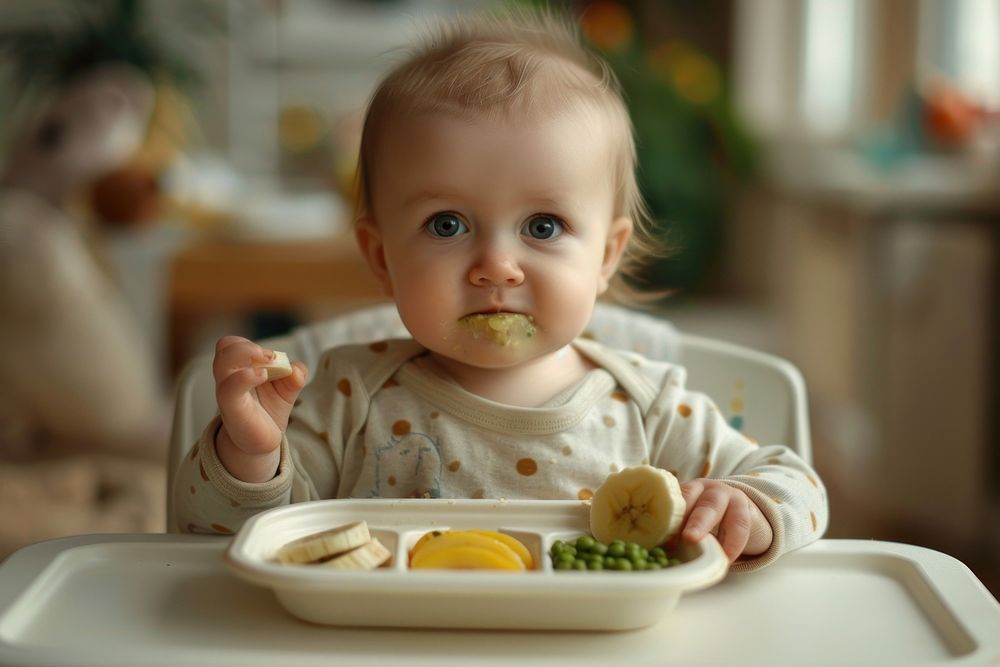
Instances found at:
x=503 y=328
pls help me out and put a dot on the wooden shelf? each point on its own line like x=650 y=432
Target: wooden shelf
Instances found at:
x=213 y=277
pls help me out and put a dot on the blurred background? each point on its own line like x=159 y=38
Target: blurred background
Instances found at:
x=828 y=171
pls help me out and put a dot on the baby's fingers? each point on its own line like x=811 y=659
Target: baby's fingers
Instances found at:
x=704 y=516
x=288 y=388
x=233 y=353
x=734 y=531
x=232 y=391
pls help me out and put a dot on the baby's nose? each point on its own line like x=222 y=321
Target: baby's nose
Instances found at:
x=496 y=269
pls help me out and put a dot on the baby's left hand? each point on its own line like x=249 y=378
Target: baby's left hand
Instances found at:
x=716 y=507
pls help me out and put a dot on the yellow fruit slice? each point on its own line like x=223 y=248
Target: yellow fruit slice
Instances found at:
x=515 y=544
x=464 y=538
x=422 y=541
x=465 y=557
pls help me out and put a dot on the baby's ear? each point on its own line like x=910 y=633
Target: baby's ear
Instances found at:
x=619 y=233
x=369 y=238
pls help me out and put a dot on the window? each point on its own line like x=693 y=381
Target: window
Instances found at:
x=813 y=68
x=960 y=39
x=829 y=77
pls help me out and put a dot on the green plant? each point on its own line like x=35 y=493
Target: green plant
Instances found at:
x=692 y=146
x=87 y=35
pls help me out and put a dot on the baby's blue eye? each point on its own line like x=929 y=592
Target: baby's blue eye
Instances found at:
x=446 y=225
x=543 y=227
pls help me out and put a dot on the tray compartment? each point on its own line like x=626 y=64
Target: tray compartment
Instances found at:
x=533 y=541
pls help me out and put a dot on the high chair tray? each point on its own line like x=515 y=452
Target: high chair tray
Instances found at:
x=140 y=600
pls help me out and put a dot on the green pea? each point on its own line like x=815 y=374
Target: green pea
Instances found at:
x=662 y=561
x=566 y=558
x=579 y=565
x=616 y=549
x=623 y=564
x=595 y=564
x=653 y=565
x=657 y=553
x=610 y=562
x=564 y=565
x=599 y=548
x=585 y=543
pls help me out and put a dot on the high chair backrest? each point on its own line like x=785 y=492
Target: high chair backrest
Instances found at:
x=761 y=395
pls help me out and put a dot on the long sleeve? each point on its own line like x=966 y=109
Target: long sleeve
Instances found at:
x=208 y=499
x=690 y=437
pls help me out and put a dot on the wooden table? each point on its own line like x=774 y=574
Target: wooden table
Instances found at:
x=211 y=277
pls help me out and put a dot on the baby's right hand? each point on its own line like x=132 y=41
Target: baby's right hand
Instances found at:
x=254 y=411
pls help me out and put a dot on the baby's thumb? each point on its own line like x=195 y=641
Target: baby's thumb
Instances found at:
x=289 y=388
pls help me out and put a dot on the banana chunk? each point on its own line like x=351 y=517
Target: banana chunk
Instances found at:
x=325 y=545
x=365 y=557
x=277 y=368
x=641 y=504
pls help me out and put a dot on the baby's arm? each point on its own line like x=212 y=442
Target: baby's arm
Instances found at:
x=208 y=498
x=762 y=501
x=254 y=407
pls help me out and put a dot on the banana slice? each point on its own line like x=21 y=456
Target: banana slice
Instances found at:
x=366 y=557
x=277 y=368
x=641 y=504
x=325 y=545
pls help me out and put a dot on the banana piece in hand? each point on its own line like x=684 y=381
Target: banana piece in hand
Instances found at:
x=277 y=368
x=641 y=504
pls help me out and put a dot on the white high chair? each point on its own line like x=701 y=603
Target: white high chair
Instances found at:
x=761 y=395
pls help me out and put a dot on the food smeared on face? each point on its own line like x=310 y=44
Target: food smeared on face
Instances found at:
x=506 y=329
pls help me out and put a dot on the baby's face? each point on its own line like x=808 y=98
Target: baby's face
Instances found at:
x=497 y=238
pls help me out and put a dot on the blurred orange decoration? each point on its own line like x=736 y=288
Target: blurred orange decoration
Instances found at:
x=949 y=117
x=694 y=76
x=607 y=25
x=127 y=196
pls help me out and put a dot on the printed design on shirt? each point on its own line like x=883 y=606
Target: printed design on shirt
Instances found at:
x=408 y=465
x=527 y=466
x=736 y=407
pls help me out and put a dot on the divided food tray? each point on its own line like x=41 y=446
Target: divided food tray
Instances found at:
x=395 y=596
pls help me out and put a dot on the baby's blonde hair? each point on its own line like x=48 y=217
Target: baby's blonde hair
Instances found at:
x=504 y=66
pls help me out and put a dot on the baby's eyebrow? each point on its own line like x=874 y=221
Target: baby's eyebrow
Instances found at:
x=430 y=195
x=552 y=200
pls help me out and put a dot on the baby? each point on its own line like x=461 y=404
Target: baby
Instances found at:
x=497 y=202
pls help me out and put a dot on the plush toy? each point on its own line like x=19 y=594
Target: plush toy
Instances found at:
x=76 y=380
